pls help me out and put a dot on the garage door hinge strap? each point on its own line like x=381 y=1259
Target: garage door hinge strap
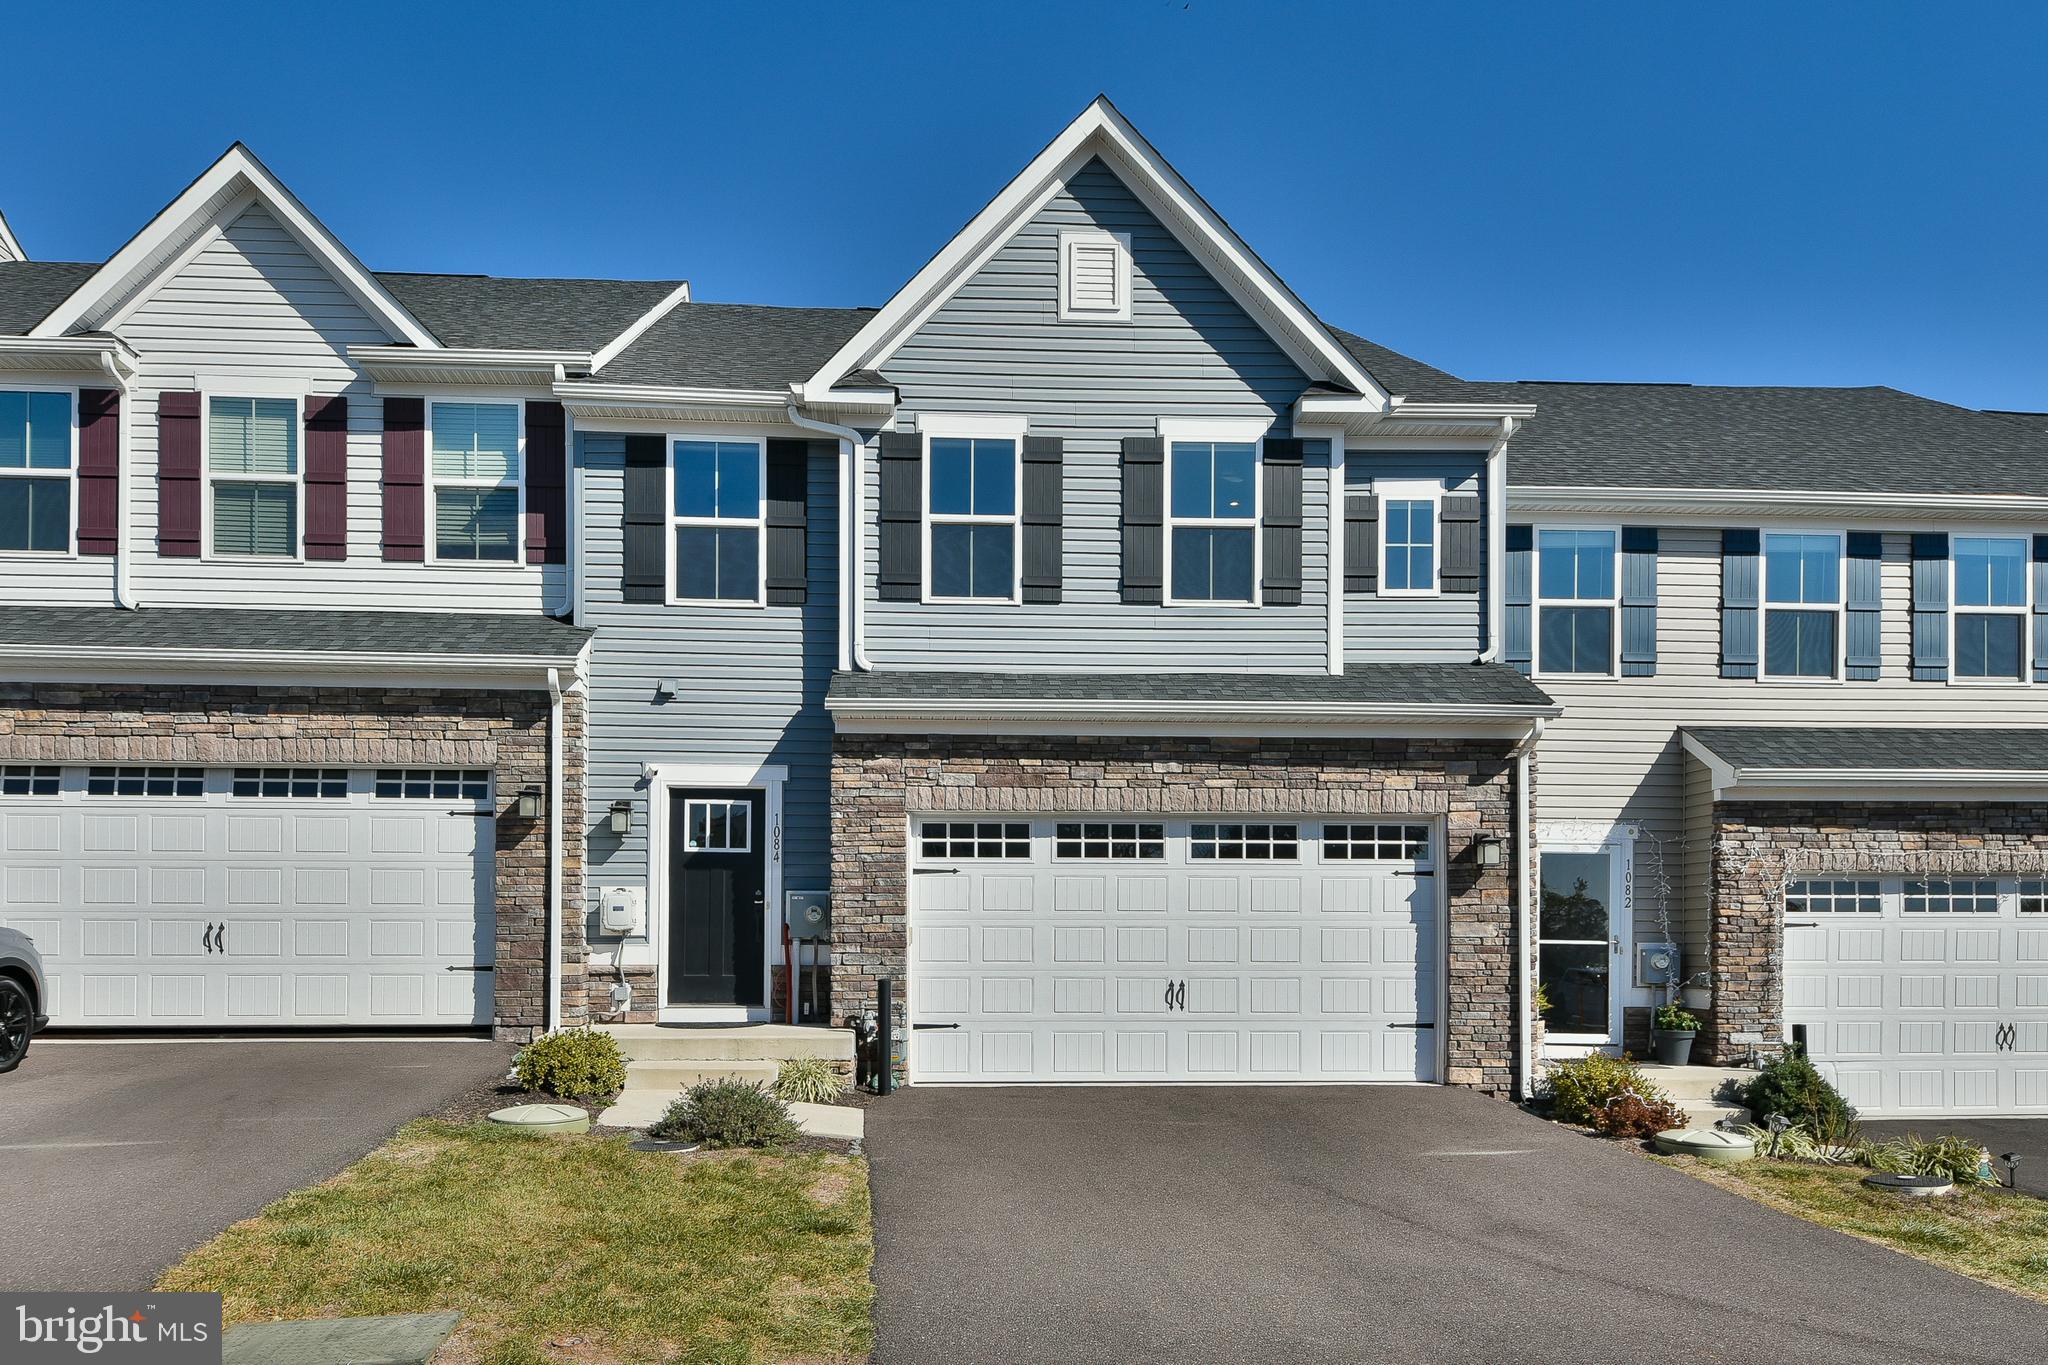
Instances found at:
x=935 y=1026
x=486 y=968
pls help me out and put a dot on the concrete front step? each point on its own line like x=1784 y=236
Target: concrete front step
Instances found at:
x=637 y=1108
x=1688 y=1083
x=671 y=1078
x=719 y=1043
x=1708 y=1114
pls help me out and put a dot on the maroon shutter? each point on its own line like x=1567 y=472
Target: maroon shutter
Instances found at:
x=327 y=478
x=99 y=471
x=547 y=479
x=405 y=478
x=179 y=485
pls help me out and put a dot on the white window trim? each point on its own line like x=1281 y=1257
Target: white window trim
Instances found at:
x=1537 y=601
x=2025 y=611
x=759 y=521
x=1219 y=431
x=952 y=427
x=661 y=780
x=1430 y=491
x=435 y=483
x=691 y=804
x=1841 y=606
x=1121 y=241
x=297 y=398
x=70 y=550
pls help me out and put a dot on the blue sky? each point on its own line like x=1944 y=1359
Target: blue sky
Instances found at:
x=1739 y=193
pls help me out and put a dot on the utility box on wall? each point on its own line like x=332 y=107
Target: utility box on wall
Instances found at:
x=621 y=911
x=1656 y=964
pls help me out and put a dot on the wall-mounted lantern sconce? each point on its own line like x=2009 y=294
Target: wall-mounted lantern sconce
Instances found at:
x=622 y=817
x=1493 y=850
x=529 y=804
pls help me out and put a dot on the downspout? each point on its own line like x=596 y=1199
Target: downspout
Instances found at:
x=553 y=965
x=1525 y=1029
x=573 y=490
x=852 y=578
x=123 y=494
x=1496 y=539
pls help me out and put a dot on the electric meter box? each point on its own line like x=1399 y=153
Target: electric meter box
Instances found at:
x=621 y=911
x=1656 y=964
x=809 y=914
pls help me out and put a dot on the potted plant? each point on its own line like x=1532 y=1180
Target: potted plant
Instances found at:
x=1671 y=1032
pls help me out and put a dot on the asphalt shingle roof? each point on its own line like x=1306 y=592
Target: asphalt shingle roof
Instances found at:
x=539 y=315
x=312 y=632
x=734 y=346
x=1762 y=748
x=1393 y=684
x=30 y=289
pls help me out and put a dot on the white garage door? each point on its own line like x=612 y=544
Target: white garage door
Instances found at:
x=1925 y=996
x=1163 y=950
x=252 y=897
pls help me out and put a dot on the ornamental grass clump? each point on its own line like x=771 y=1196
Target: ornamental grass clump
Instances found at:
x=808 y=1080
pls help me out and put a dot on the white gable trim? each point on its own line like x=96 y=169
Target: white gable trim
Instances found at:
x=612 y=349
x=1101 y=131
x=10 y=245
x=137 y=268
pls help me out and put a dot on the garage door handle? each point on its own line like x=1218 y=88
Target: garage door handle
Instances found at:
x=924 y=1026
x=206 y=939
x=934 y=871
x=1802 y=924
x=487 y=968
x=220 y=937
x=1411 y=1026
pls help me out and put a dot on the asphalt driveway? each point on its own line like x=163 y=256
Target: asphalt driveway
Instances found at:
x=2028 y=1137
x=1396 y=1225
x=116 y=1158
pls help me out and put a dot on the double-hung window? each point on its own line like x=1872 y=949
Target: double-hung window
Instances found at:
x=476 y=467
x=1408 y=538
x=972 y=504
x=38 y=448
x=1212 y=521
x=1991 y=607
x=717 y=511
x=1802 y=604
x=1576 y=600
x=252 y=470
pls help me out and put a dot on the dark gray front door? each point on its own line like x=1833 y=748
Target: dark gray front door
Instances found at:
x=717 y=879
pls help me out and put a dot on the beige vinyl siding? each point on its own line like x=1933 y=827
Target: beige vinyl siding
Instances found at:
x=254 y=304
x=998 y=347
x=1615 y=754
x=1446 y=628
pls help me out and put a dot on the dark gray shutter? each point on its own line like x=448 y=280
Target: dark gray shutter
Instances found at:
x=1518 y=596
x=1280 y=523
x=1144 y=517
x=1740 y=566
x=1460 y=520
x=2041 y=608
x=1863 y=625
x=1930 y=606
x=1044 y=508
x=1362 y=543
x=1638 y=601
x=899 y=520
x=644 y=576
x=785 y=511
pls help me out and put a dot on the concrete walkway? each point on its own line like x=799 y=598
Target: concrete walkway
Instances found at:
x=1409 y=1224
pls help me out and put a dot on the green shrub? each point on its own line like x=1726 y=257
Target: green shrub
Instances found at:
x=575 y=1064
x=1579 y=1088
x=1793 y=1086
x=808 y=1080
x=1673 y=1019
x=727 y=1114
x=1629 y=1115
x=1958 y=1159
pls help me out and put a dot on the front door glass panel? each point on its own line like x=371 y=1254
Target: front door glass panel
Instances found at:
x=1575 y=950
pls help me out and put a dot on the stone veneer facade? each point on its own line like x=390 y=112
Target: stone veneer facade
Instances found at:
x=358 y=727
x=1758 y=846
x=879 y=781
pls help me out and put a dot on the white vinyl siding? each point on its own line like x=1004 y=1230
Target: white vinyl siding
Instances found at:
x=38 y=454
x=252 y=474
x=474 y=472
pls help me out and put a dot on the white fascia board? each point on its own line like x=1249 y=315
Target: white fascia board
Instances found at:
x=237 y=166
x=10 y=245
x=132 y=661
x=96 y=353
x=1788 y=502
x=1063 y=716
x=595 y=403
x=1100 y=130
x=611 y=350
x=448 y=364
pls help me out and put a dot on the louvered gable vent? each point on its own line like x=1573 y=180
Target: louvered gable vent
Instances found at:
x=1095 y=272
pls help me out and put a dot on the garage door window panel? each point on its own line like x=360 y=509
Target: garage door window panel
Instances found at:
x=1950 y=896
x=1802 y=605
x=1821 y=897
x=145 y=782
x=440 y=784
x=1235 y=843
x=316 y=783
x=28 y=780
x=1113 y=841
x=1992 y=606
x=2033 y=897
x=957 y=839
x=1376 y=843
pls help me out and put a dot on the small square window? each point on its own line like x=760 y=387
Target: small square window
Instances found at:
x=145 y=782
x=2033 y=896
x=1836 y=897
x=1951 y=896
x=1243 y=843
x=27 y=780
x=974 y=839
x=1376 y=843
x=718 y=826
x=1113 y=841
x=441 y=784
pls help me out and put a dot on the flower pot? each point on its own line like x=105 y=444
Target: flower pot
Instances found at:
x=1673 y=1049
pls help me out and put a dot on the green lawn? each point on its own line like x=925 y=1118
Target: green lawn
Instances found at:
x=644 y=1256
x=1992 y=1235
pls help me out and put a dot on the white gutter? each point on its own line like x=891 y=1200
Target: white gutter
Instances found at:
x=84 y=660
x=852 y=550
x=123 y=492
x=1582 y=497
x=1496 y=539
x=1525 y=1013
x=553 y=966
